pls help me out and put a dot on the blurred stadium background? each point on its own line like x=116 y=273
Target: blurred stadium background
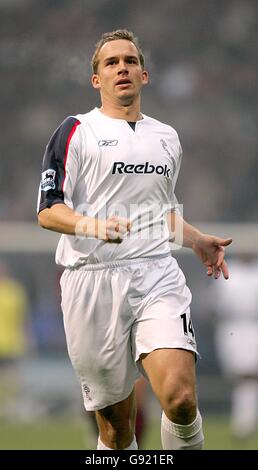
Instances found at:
x=201 y=57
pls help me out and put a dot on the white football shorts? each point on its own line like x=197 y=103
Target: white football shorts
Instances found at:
x=116 y=311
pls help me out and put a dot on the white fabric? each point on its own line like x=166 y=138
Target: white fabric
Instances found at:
x=237 y=347
x=114 y=314
x=132 y=446
x=94 y=185
x=182 y=437
x=236 y=305
x=244 y=413
x=237 y=299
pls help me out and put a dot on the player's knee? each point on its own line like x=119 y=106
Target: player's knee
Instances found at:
x=117 y=427
x=181 y=407
x=121 y=434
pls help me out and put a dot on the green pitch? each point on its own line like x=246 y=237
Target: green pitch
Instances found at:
x=70 y=434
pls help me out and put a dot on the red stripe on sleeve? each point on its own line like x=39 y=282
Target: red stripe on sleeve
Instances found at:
x=67 y=149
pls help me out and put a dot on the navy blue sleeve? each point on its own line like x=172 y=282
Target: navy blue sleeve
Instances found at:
x=54 y=163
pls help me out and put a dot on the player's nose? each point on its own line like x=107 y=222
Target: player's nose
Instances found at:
x=122 y=67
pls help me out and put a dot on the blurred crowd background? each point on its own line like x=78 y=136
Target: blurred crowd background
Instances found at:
x=202 y=61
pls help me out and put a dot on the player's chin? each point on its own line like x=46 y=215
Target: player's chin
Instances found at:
x=126 y=98
x=126 y=92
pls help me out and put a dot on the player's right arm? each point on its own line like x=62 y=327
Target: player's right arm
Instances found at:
x=61 y=169
x=61 y=218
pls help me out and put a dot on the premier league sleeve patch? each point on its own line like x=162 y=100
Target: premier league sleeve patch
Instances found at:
x=48 y=180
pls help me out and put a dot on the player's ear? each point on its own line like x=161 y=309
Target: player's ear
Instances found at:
x=145 y=77
x=95 y=81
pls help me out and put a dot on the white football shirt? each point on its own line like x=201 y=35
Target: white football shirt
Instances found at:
x=100 y=166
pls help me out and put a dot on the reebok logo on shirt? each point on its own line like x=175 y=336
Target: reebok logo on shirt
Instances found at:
x=147 y=168
x=107 y=143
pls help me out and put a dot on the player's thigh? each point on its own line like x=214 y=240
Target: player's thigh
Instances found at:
x=171 y=372
x=97 y=325
x=162 y=317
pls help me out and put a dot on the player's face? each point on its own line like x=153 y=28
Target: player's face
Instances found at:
x=120 y=76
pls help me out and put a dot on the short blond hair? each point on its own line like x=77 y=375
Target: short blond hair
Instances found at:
x=113 y=36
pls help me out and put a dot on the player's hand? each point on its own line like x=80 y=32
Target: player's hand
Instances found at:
x=211 y=251
x=112 y=230
x=116 y=228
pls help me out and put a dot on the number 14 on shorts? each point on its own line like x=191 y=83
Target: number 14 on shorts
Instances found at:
x=187 y=325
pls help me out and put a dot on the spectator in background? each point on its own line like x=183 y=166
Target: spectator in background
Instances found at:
x=236 y=340
x=13 y=338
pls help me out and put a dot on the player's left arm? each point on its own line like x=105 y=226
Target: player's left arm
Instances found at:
x=209 y=248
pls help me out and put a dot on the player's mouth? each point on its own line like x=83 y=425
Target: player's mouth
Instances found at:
x=123 y=82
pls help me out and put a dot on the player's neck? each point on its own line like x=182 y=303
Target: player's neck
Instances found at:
x=128 y=113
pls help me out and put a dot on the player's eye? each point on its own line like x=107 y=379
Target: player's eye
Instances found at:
x=111 y=62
